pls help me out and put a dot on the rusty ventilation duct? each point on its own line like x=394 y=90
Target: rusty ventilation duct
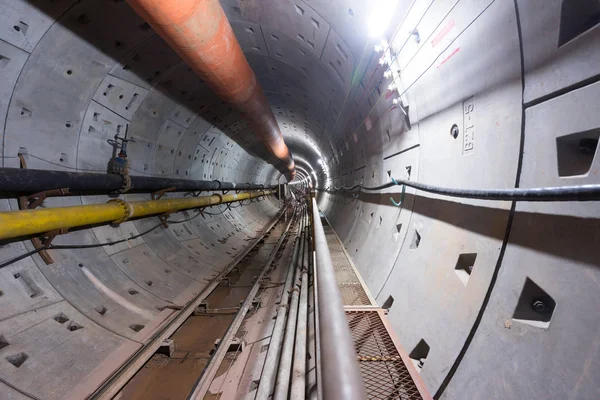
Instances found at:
x=198 y=30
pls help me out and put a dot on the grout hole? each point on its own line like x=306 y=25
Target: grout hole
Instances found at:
x=101 y=310
x=132 y=292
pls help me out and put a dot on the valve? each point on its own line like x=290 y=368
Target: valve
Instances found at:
x=119 y=163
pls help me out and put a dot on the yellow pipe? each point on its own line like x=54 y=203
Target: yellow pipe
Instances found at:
x=30 y=222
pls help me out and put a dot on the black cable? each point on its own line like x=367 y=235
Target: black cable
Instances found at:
x=564 y=193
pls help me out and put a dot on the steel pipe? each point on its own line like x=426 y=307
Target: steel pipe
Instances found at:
x=198 y=30
x=285 y=363
x=267 y=378
x=30 y=222
x=203 y=383
x=341 y=378
x=16 y=181
x=298 y=388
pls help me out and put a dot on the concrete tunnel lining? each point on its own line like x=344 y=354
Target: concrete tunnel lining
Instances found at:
x=77 y=72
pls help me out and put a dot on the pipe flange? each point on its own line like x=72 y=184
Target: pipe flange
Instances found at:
x=219 y=182
x=127 y=210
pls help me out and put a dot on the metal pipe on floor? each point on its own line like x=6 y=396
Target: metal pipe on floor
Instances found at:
x=287 y=352
x=198 y=30
x=43 y=220
x=267 y=379
x=203 y=383
x=298 y=388
x=341 y=378
x=16 y=181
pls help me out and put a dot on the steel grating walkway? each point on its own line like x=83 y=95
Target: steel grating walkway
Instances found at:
x=384 y=373
x=353 y=293
x=386 y=368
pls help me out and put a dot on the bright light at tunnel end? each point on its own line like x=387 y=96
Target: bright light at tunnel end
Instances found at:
x=381 y=15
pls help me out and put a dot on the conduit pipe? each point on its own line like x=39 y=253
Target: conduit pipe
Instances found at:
x=298 y=387
x=29 y=181
x=285 y=363
x=198 y=30
x=30 y=222
x=268 y=375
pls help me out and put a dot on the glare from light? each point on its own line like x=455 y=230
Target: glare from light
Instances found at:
x=381 y=14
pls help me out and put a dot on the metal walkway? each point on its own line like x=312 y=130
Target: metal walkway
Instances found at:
x=386 y=368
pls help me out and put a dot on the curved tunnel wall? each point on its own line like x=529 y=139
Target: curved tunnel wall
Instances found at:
x=76 y=73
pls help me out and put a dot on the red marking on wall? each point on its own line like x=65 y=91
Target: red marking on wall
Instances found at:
x=388 y=94
x=449 y=57
x=438 y=38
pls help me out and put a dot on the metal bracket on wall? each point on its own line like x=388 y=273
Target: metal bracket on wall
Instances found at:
x=158 y=194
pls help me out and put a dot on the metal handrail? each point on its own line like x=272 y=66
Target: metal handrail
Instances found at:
x=341 y=377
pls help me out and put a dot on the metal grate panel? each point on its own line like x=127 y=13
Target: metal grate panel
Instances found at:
x=353 y=293
x=384 y=373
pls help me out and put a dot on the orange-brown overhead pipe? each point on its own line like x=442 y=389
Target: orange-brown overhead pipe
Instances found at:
x=198 y=30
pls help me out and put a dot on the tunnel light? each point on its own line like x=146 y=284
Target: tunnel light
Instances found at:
x=381 y=15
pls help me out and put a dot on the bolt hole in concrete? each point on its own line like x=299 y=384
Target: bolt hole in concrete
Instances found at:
x=464 y=266
x=74 y=326
x=535 y=307
x=136 y=327
x=17 y=359
x=416 y=241
x=3 y=342
x=101 y=310
x=454 y=131
x=396 y=234
x=577 y=17
x=419 y=354
x=575 y=152
x=61 y=318
x=387 y=304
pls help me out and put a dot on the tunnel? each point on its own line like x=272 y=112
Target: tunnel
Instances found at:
x=424 y=170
